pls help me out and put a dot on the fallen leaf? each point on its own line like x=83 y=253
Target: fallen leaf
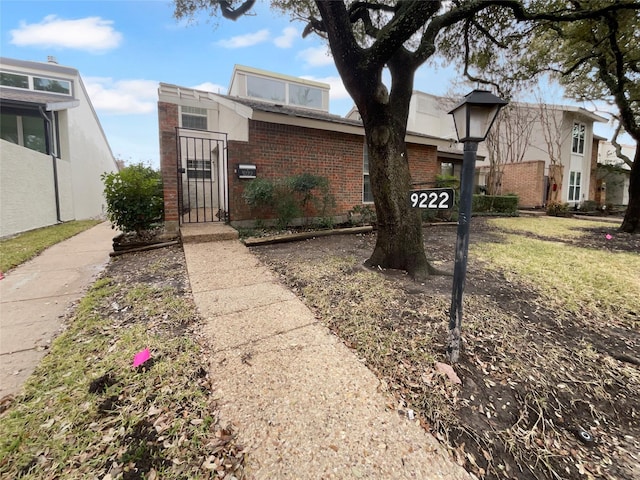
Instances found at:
x=449 y=372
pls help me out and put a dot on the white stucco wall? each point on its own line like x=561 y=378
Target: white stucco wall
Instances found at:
x=89 y=155
x=27 y=196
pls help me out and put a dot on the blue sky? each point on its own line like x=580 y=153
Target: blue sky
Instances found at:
x=123 y=49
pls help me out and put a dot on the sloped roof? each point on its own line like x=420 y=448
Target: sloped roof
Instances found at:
x=11 y=95
x=292 y=111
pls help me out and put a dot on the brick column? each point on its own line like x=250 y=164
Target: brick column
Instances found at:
x=168 y=121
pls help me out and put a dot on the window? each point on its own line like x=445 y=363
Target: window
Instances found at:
x=578 y=138
x=305 y=96
x=199 y=169
x=50 y=85
x=30 y=82
x=25 y=129
x=446 y=168
x=574 y=186
x=194 y=118
x=14 y=80
x=265 y=88
x=367 y=195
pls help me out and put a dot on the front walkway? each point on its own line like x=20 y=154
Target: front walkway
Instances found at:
x=303 y=404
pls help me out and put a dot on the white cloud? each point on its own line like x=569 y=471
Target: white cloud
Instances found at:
x=211 y=87
x=123 y=97
x=285 y=40
x=246 y=40
x=316 y=56
x=92 y=34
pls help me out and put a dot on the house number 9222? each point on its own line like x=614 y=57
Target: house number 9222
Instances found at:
x=433 y=198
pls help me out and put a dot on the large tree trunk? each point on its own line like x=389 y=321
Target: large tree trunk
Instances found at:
x=631 y=222
x=399 y=242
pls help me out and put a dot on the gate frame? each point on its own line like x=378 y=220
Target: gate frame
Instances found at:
x=222 y=171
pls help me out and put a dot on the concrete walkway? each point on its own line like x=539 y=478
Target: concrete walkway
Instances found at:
x=303 y=404
x=35 y=296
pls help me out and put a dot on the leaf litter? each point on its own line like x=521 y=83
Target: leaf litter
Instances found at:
x=539 y=373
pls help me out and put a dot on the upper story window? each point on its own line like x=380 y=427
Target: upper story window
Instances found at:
x=194 y=117
x=50 y=85
x=266 y=88
x=38 y=83
x=577 y=145
x=284 y=92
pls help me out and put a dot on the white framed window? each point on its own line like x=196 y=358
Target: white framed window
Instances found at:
x=577 y=145
x=51 y=85
x=194 y=118
x=38 y=83
x=367 y=194
x=574 y=186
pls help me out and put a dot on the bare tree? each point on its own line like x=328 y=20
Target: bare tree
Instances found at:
x=508 y=142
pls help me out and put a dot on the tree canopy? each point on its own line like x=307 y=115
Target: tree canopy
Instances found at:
x=366 y=37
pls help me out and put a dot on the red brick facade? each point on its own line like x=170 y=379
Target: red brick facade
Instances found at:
x=526 y=179
x=280 y=150
x=168 y=121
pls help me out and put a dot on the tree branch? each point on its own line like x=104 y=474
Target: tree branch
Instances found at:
x=227 y=10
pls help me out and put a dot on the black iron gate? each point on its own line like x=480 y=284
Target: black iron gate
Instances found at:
x=202 y=178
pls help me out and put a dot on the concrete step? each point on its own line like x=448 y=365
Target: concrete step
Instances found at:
x=207 y=232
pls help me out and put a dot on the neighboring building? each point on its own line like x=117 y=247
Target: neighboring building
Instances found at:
x=52 y=147
x=269 y=126
x=613 y=174
x=531 y=175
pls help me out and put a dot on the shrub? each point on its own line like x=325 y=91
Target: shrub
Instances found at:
x=362 y=215
x=134 y=198
x=557 y=209
x=291 y=197
x=504 y=204
x=589 y=206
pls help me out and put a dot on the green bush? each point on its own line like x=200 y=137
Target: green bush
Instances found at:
x=134 y=198
x=362 y=215
x=504 y=204
x=291 y=197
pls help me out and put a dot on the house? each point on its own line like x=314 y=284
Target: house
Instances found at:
x=268 y=126
x=613 y=174
x=52 y=147
x=545 y=152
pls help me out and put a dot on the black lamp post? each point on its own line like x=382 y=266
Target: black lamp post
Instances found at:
x=473 y=119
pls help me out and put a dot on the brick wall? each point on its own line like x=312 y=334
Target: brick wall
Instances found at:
x=526 y=179
x=284 y=150
x=168 y=121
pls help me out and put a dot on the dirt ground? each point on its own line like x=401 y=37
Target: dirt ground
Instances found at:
x=543 y=394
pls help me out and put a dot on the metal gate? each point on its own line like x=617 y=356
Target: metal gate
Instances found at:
x=202 y=176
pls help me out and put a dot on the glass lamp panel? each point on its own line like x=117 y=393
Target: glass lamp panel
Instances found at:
x=460 y=121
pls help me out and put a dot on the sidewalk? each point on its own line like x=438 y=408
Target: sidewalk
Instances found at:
x=35 y=297
x=304 y=405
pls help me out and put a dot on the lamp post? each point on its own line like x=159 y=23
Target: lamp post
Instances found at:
x=473 y=119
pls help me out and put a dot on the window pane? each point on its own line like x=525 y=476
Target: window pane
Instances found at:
x=367 y=195
x=33 y=134
x=446 y=168
x=9 y=128
x=305 y=96
x=577 y=193
x=571 y=193
x=194 y=121
x=14 y=80
x=265 y=88
x=48 y=85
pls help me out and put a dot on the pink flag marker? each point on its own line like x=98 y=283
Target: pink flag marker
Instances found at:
x=141 y=357
x=608 y=236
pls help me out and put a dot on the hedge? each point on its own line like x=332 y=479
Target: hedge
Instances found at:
x=505 y=204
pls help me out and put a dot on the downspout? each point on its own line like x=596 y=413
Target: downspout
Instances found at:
x=48 y=135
